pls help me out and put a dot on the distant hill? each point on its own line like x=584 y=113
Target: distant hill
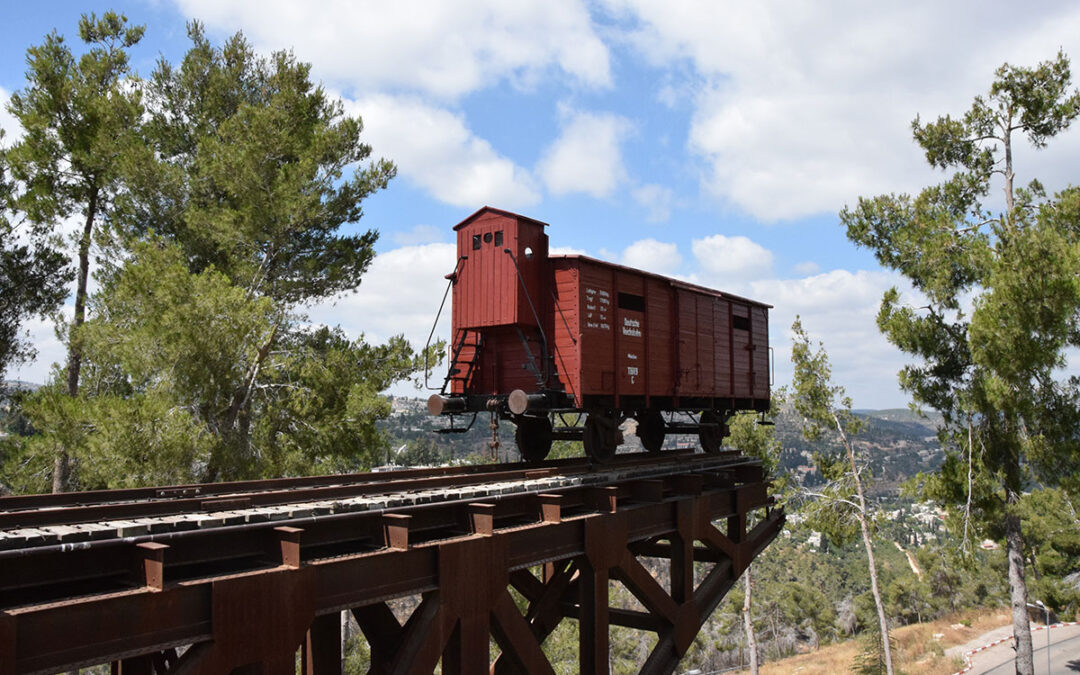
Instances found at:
x=898 y=442
x=18 y=385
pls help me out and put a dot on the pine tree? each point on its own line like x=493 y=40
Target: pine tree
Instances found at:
x=79 y=117
x=1001 y=307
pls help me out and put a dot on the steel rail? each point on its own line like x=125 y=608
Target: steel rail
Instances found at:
x=73 y=508
x=49 y=573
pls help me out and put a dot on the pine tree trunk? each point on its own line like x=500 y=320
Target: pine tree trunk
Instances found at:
x=62 y=464
x=1014 y=548
x=883 y=622
x=748 y=624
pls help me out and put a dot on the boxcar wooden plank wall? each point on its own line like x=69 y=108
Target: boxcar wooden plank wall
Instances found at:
x=567 y=325
x=740 y=354
x=760 y=328
x=722 y=366
x=706 y=344
x=692 y=327
x=630 y=329
x=660 y=317
x=597 y=337
x=480 y=296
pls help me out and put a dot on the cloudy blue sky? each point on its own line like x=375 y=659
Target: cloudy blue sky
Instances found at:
x=713 y=141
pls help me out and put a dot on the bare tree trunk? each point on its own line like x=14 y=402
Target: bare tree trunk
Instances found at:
x=748 y=624
x=62 y=464
x=871 y=564
x=775 y=635
x=1014 y=549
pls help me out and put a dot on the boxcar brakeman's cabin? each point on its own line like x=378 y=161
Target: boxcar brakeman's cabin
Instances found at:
x=534 y=335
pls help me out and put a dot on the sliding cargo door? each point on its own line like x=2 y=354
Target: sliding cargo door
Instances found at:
x=697 y=338
x=759 y=325
x=742 y=344
x=722 y=379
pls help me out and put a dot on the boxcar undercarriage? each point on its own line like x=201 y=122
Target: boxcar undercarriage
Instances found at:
x=544 y=417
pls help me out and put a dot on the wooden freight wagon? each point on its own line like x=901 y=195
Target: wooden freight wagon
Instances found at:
x=536 y=335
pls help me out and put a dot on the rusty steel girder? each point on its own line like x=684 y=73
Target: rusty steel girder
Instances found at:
x=248 y=599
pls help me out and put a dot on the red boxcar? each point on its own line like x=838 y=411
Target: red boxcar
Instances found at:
x=536 y=334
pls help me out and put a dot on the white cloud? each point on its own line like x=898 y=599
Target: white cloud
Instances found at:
x=442 y=48
x=730 y=260
x=41 y=334
x=838 y=308
x=565 y=250
x=12 y=129
x=421 y=234
x=804 y=107
x=652 y=256
x=807 y=268
x=587 y=156
x=435 y=149
x=656 y=201
x=399 y=294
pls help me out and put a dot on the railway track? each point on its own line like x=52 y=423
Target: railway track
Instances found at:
x=54 y=547
x=43 y=520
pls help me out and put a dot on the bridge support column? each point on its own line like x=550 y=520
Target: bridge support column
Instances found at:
x=321 y=652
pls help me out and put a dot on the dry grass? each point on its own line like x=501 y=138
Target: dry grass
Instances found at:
x=917 y=649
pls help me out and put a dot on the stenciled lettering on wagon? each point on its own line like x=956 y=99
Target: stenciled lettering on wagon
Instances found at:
x=597 y=306
x=632 y=371
x=631 y=327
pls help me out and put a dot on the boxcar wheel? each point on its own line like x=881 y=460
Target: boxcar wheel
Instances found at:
x=711 y=431
x=651 y=430
x=533 y=438
x=599 y=440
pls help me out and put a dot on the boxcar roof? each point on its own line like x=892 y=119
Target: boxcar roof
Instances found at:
x=674 y=282
x=501 y=212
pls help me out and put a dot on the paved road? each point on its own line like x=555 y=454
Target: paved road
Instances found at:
x=1064 y=654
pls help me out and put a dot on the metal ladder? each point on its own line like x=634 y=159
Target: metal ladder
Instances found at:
x=461 y=370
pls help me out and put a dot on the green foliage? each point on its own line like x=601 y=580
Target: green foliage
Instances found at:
x=33 y=274
x=226 y=183
x=81 y=119
x=823 y=407
x=807 y=608
x=751 y=438
x=870 y=660
x=995 y=363
x=1003 y=305
x=822 y=404
x=78 y=116
x=840 y=504
x=253 y=169
x=1052 y=542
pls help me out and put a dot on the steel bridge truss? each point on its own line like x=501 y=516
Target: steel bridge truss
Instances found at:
x=248 y=599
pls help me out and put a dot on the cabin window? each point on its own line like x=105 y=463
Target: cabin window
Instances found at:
x=487 y=237
x=498 y=238
x=476 y=242
x=635 y=303
x=740 y=322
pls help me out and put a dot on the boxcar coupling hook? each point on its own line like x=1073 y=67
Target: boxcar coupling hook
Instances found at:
x=493 y=406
